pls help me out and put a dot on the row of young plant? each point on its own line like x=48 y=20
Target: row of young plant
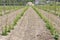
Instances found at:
x=8 y=9
x=8 y=28
x=51 y=9
x=48 y=24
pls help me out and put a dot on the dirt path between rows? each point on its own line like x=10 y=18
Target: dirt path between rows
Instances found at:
x=54 y=19
x=30 y=27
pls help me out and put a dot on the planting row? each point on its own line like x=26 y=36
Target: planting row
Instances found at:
x=48 y=24
x=8 y=19
x=8 y=9
x=52 y=9
x=8 y=28
x=52 y=18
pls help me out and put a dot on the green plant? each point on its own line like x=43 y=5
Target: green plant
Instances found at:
x=4 y=31
x=0 y=14
x=9 y=28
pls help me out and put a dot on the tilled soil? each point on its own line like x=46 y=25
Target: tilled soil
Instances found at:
x=30 y=27
x=8 y=19
x=54 y=20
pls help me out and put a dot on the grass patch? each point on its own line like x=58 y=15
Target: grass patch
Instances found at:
x=48 y=24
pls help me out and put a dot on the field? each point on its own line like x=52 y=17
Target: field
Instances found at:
x=54 y=17
x=51 y=8
x=7 y=9
x=40 y=22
